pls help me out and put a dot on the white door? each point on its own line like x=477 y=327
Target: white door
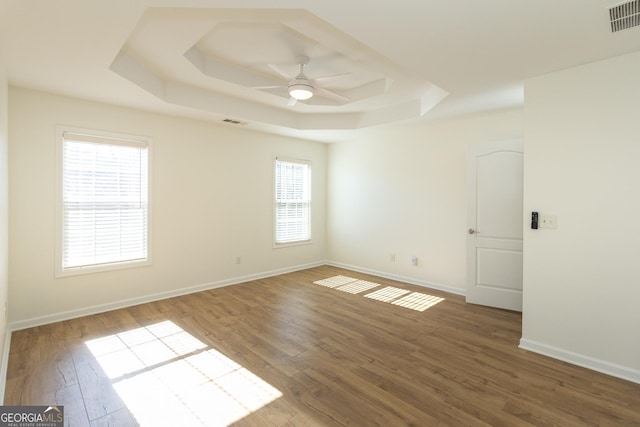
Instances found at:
x=494 y=216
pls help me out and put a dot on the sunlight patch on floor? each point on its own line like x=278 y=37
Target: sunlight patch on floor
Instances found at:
x=387 y=294
x=357 y=287
x=166 y=376
x=335 y=281
x=417 y=301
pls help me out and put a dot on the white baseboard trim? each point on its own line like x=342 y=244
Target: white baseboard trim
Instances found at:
x=5 y=364
x=101 y=308
x=399 y=278
x=588 y=362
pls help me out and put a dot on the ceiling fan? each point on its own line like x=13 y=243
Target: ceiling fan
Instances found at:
x=301 y=88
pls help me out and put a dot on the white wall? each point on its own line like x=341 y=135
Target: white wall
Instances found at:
x=402 y=190
x=582 y=163
x=4 y=226
x=212 y=201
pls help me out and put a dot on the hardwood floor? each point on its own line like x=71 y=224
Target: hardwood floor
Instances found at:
x=284 y=351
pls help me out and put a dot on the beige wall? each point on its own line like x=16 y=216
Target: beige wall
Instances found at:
x=4 y=225
x=402 y=190
x=211 y=201
x=582 y=152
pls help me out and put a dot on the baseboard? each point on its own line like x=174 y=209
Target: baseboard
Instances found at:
x=588 y=362
x=399 y=278
x=101 y=308
x=5 y=364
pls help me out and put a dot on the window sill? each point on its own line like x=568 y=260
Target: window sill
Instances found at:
x=289 y=244
x=100 y=268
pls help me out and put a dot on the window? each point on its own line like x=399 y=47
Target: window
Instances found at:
x=103 y=191
x=292 y=201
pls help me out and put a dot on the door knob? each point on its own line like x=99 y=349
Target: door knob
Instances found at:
x=472 y=231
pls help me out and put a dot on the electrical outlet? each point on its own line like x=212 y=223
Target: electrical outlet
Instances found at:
x=392 y=257
x=548 y=221
x=238 y=260
x=414 y=261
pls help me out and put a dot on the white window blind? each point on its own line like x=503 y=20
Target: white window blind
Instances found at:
x=293 y=201
x=104 y=186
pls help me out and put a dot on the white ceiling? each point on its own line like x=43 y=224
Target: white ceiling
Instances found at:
x=407 y=60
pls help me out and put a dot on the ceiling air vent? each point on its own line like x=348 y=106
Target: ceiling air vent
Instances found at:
x=234 y=122
x=625 y=15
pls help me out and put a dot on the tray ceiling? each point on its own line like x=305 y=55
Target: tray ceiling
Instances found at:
x=221 y=60
x=408 y=61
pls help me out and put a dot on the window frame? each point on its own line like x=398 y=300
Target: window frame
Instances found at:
x=97 y=136
x=308 y=241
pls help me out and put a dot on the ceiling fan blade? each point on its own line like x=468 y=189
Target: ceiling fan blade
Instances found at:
x=292 y=102
x=330 y=79
x=332 y=95
x=267 y=87
x=280 y=71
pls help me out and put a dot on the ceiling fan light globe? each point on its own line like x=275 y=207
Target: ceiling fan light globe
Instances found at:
x=300 y=91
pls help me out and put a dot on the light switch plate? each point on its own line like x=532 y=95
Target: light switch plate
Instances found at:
x=548 y=221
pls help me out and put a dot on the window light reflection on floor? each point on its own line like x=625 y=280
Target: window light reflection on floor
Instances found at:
x=357 y=287
x=335 y=281
x=415 y=300
x=418 y=301
x=166 y=376
x=387 y=294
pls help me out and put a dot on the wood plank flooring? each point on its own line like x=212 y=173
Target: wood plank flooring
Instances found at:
x=284 y=351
